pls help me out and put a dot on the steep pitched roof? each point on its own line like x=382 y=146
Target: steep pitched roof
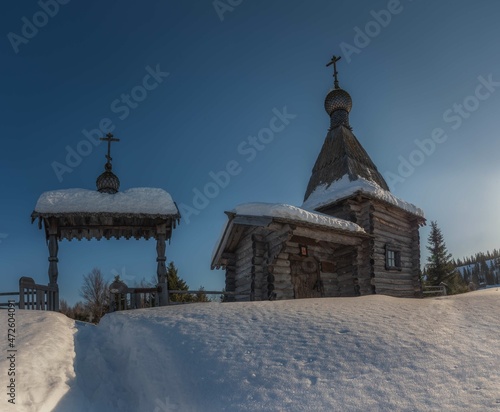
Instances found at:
x=341 y=155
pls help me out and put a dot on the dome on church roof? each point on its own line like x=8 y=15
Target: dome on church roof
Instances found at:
x=338 y=99
x=108 y=182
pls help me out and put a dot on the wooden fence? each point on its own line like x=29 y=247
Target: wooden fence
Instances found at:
x=37 y=297
x=133 y=298
x=204 y=292
x=124 y=298
x=14 y=295
x=434 y=290
x=33 y=296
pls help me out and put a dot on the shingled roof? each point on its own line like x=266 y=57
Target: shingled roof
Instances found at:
x=341 y=155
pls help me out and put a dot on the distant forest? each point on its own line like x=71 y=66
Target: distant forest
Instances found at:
x=481 y=269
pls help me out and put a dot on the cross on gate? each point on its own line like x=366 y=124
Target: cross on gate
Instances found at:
x=109 y=138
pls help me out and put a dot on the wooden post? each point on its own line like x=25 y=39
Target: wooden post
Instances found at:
x=53 y=298
x=21 y=294
x=162 y=268
x=138 y=300
x=40 y=300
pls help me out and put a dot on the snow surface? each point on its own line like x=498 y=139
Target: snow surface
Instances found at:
x=326 y=194
x=141 y=200
x=44 y=360
x=372 y=353
x=285 y=211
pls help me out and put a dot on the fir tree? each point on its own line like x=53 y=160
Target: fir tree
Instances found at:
x=174 y=282
x=490 y=275
x=440 y=267
x=475 y=275
x=201 y=296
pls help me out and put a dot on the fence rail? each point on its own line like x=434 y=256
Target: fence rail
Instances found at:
x=33 y=296
x=434 y=290
x=206 y=292
x=124 y=298
x=6 y=304
x=37 y=297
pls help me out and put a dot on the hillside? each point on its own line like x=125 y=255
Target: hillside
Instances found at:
x=372 y=353
x=482 y=272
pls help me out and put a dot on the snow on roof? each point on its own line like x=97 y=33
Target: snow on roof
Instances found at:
x=141 y=200
x=324 y=195
x=281 y=210
x=284 y=211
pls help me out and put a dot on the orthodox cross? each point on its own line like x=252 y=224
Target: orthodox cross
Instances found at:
x=334 y=61
x=109 y=138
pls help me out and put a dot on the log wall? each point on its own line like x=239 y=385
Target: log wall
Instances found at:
x=266 y=263
x=391 y=226
x=244 y=281
x=388 y=225
x=334 y=264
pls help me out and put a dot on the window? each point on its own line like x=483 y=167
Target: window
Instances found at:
x=392 y=258
x=303 y=250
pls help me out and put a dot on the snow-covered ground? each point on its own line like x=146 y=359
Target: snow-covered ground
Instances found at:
x=373 y=353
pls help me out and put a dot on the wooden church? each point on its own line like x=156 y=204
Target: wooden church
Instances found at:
x=350 y=237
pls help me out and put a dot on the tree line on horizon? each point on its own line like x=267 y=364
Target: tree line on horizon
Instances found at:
x=460 y=275
x=477 y=258
x=482 y=272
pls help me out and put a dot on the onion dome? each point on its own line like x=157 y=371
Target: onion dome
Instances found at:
x=338 y=99
x=338 y=102
x=108 y=182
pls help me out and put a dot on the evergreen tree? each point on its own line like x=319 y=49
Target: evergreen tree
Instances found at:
x=475 y=275
x=490 y=275
x=467 y=275
x=201 y=296
x=174 y=282
x=440 y=267
x=484 y=267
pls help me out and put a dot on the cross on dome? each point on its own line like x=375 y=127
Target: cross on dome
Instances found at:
x=109 y=138
x=334 y=61
x=108 y=182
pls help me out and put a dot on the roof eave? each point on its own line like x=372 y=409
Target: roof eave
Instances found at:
x=369 y=196
x=265 y=221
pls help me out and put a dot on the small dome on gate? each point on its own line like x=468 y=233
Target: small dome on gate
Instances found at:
x=108 y=182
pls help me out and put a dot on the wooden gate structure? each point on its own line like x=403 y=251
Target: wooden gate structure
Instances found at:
x=140 y=213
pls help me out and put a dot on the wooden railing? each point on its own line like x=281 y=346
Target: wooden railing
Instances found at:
x=133 y=298
x=434 y=290
x=125 y=298
x=204 y=292
x=7 y=304
x=33 y=296
x=37 y=297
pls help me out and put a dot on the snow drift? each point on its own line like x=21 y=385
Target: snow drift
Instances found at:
x=373 y=353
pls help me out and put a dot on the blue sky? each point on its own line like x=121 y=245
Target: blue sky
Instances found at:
x=411 y=67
